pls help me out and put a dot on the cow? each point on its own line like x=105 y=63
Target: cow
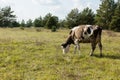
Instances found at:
x=84 y=34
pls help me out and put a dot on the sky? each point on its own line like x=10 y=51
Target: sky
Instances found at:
x=31 y=9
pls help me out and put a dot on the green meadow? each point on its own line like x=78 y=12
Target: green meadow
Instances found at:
x=35 y=54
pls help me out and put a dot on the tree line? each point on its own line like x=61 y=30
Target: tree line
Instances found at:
x=107 y=16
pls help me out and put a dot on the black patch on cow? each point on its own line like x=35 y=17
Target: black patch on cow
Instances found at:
x=88 y=30
x=82 y=37
x=64 y=45
x=68 y=42
x=97 y=31
x=85 y=33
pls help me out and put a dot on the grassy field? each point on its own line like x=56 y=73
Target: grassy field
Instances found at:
x=32 y=55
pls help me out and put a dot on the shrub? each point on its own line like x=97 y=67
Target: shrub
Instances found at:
x=53 y=29
x=38 y=29
x=22 y=28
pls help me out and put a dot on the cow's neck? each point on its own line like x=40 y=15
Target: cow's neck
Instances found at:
x=69 y=40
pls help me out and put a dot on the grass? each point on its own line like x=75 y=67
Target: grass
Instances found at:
x=36 y=55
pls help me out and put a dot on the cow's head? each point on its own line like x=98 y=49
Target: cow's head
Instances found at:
x=88 y=31
x=65 y=47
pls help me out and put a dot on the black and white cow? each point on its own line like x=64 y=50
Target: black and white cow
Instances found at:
x=84 y=34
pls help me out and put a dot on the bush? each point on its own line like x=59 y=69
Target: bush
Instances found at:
x=22 y=28
x=38 y=29
x=53 y=29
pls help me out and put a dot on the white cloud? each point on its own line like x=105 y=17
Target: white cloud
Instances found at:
x=4 y=3
x=76 y=3
x=34 y=2
x=46 y=2
x=2 y=0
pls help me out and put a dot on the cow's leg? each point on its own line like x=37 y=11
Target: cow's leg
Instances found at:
x=100 y=47
x=77 y=46
x=93 y=45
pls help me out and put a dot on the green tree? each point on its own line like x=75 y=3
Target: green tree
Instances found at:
x=62 y=24
x=15 y=24
x=6 y=16
x=71 y=19
x=115 y=23
x=86 y=17
x=52 y=21
x=29 y=23
x=23 y=23
x=53 y=29
x=46 y=18
x=1 y=18
x=104 y=13
x=38 y=22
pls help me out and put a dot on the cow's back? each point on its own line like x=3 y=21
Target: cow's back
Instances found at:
x=78 y=34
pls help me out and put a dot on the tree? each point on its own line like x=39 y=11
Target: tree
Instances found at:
x=86 y=17
x=52 y=21
x=104 y=13
x=71 y=18
x=22 y=23
x=38 y=22
x=1 y=18
x=62 y=24
x=53 y=29
x=49 y=21
x=15 y=24
x=46 y=18
x=75 y=18
x=6 y=16
x=29 y=23
x=115 y=23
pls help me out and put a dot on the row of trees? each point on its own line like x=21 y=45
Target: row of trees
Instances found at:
x=48 y=21
x=107 y=16
x=74 y=18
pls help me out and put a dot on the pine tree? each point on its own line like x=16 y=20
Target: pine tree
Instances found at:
x=46 y=18
x=52 y=21
x=115 y=23
x=29 y=23
x=23 y=23
x=71 y=19
x=6 y=17
x=86 y=17
x=38 y=22
x=105 y=13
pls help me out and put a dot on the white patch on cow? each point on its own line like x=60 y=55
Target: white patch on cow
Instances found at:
x=88 y=25
x=91 y=30
x=66 y=50
x=76 y=41
x=87 y=35
x=75 y=28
